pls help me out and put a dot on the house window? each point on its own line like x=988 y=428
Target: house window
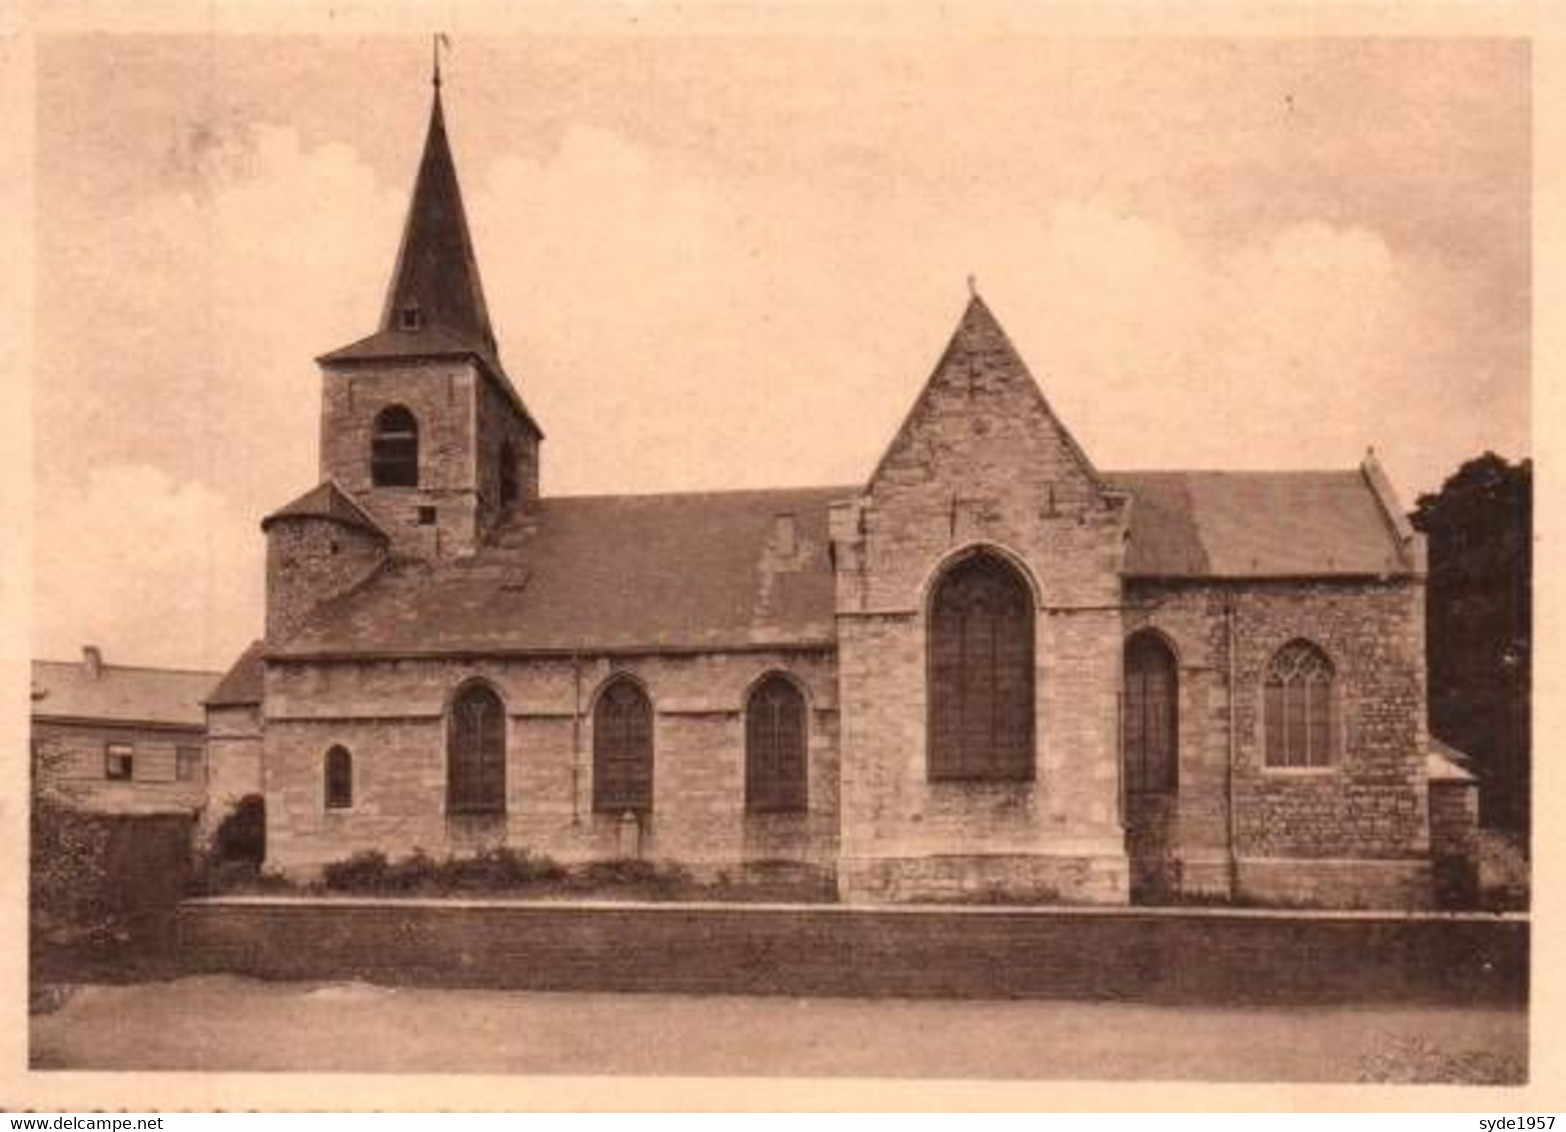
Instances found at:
x=410 y=318
x=427 y=516
x=508 y=473
x=476 y=753
x=622 y=749
x=1301 y=709
x=187 y=764
x=775 y=764
x=1151 y=721
x=394 y=449
x=981 y=676
x=118 y=762
x=339 y=779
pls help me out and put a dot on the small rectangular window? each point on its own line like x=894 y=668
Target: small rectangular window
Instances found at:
x=426 y=516
x=118 y=762
x=187 y=764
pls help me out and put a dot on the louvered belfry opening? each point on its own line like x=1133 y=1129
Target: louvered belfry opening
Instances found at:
x=623 y=749
x=1151 y=724
x=476 y=753
x=394 y=449
x=981 y=674
x=775 y=760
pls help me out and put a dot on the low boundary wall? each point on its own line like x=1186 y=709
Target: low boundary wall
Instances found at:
x=1177 y=955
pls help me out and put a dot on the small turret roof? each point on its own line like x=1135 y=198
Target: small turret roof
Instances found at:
x=326 y=500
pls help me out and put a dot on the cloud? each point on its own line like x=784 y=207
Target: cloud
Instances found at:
x=676 y=326
x=153 y=570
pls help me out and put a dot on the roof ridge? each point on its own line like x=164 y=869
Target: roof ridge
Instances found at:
x=106 y=665
x=703 y=492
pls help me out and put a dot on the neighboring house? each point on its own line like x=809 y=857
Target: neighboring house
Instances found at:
x=991 y=670
x=119 y=739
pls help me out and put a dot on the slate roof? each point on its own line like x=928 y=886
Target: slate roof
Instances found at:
x=1257 y=525
x=64 y=690
x=706 y=570
x=601 y=573
x=327 y=501
x=242 y=684
x=436 y=272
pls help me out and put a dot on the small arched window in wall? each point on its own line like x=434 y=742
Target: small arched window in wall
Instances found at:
x=476 y=753
x=623 y=749
x=339 y=779
x=981 y=676
x=1300 y=709
x=1151 y=721
x=508 y=473
x=394 y=448
x=775 y=764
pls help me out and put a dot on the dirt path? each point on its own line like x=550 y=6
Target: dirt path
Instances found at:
x=227 y=1023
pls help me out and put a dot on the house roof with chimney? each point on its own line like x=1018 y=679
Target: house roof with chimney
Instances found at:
x=91 y=690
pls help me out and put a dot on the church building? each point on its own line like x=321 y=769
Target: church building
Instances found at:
x=990 y=671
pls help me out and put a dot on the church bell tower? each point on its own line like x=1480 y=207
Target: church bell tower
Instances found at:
x=420 y=424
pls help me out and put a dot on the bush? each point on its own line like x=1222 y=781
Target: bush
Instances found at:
x=493 y=870
x=361 y=872
x=241 y=836
x=69 y=884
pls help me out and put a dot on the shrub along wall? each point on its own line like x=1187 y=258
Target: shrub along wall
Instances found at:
x=1188 y=955
x=95 y=876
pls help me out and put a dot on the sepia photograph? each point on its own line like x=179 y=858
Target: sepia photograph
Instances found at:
x=640 y=542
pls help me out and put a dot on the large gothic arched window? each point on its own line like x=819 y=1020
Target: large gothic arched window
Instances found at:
x=775 y=765
x=623 y=749
x=1301 y=707
x=394 y=448
x=1151 y=720
x=981 y=676
x=476 y=753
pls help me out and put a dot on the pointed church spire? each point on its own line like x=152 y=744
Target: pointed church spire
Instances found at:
x=435 y=285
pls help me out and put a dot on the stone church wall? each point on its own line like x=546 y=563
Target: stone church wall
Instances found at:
x=1356 y=832
x=499 y=423
x=441 y=395
x=390 y=716
x=309 y=560
x=981 y=464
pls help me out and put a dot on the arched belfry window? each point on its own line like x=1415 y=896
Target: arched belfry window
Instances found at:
x=1150 y=730
x=394 y=448
x=338 y=771
x=1301 y=717
x=508 y=473
x=775 y=763
x=981 y=675
x=476 y=753
x=623 y=749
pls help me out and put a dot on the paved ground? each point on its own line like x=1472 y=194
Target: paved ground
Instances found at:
x=224 y=1022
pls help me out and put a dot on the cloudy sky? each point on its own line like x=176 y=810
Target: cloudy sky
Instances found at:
x=730 y=262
